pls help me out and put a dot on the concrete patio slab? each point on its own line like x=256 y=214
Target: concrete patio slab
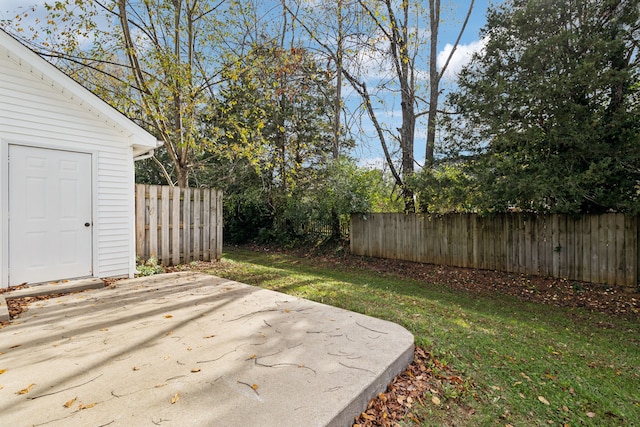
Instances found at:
x=188 y=349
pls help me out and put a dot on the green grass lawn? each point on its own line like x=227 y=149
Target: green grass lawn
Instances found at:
x=524 y=364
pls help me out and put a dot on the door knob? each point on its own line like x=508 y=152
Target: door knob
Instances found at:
x=87 y=224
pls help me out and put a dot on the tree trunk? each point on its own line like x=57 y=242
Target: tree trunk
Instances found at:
x=434 y=82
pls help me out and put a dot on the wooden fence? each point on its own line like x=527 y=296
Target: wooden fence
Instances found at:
x=178 y=225
x=590 y=248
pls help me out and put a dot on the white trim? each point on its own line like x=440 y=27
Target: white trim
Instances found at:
x=4 y=212
x=95 y=224
x=132 y=222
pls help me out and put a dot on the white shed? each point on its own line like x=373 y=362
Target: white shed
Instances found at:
x=66 y=175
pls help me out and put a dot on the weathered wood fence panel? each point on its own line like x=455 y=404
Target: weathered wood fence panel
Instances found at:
x=178 y=225
x=591 y=248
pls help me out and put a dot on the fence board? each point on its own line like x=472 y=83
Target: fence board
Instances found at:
x=196 y=223
x=165 y=225
x=595 y=248
x=631 y=245
x=186 y=224
x=611 y=250
x=175 y=226
x=141 y=213
x=187 y=205
x=153 y=224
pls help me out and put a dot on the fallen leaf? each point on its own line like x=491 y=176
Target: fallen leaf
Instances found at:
x=136 y=368
x=591 y=414
x=159 y=385
x=543 y=400
x=168 y=334
x=189 y=349
x=194 y=370
x=525 y=376
x=2 y=371
x=368 y=417
x=253 y=356
x=70 y=402
x=104 y=329
x=175 y=398
x=435 y=400
x=90 y=405
x=209 y=336
x=26 y=390
x=168 y=316
x=254 y=386
x=15 y=346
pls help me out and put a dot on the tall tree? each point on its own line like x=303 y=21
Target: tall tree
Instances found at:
x=156 y=60
x=551 y=106
x=435 y=74
x=289 y=125
x=379 y=54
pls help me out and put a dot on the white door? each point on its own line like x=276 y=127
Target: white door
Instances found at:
x=50 y=224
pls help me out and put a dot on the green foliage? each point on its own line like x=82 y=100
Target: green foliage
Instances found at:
x=551 y=107
x=445 y=188
x=148 y=267
x=275 y=120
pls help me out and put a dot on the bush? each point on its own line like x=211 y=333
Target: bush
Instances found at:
x=148 y=268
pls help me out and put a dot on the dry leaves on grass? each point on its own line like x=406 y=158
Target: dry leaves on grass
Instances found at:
x=620 y=301
x=425 y=376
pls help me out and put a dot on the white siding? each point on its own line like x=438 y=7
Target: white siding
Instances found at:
x=36 y=112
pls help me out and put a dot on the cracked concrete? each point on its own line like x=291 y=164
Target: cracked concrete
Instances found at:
x=188 y=349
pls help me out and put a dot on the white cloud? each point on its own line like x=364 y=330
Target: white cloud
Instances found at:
x=373 y=163
x=460 y=58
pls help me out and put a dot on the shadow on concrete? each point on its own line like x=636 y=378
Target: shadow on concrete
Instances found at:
x=192 y=349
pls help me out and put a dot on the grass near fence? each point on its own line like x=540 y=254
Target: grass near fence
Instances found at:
x=526 y=364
